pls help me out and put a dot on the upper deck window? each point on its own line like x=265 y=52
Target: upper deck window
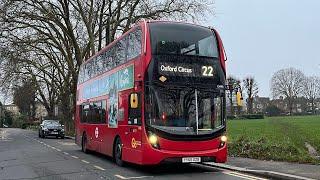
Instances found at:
x=124 y=50
x=182 y=39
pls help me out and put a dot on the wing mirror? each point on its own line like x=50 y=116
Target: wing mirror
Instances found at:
x=134 y=100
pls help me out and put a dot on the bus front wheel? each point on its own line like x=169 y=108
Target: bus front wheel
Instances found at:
x=84 y=144
x=118 y=152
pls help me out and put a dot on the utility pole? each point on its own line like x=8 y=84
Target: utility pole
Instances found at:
x=1 y=119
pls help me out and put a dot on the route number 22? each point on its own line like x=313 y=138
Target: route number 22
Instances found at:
x=207 y=71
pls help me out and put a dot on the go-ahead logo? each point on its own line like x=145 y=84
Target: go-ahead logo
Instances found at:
x=96 y=132
x=134 y=143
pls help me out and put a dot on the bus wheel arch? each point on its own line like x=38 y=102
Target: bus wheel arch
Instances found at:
x=117 y=151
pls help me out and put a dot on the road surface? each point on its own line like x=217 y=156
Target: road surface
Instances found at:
x=25 y=156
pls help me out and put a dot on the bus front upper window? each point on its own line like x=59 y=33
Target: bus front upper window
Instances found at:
x=183 y=39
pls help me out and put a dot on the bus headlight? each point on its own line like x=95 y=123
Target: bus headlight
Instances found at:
x=153 y=140
x=223 y=138
x=223 y=141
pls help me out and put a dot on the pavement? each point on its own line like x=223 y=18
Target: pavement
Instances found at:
x=303 y=170
x=271 y=169
x=25 y=156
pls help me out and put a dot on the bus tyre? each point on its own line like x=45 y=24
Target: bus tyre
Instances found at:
x=118 y=152
x=84 y=144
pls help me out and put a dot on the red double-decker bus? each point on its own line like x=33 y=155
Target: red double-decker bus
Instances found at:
x=154 y=95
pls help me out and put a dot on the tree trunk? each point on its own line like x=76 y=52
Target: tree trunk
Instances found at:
x=231 y=102
x=108 y=32
x=290 y=106
x=313 y=106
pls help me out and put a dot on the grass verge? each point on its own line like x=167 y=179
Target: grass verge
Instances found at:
x=275 y=138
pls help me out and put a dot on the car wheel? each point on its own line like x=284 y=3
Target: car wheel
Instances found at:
x=62 y=137
x=118 y=152
x=43 y=136
x=84 y=144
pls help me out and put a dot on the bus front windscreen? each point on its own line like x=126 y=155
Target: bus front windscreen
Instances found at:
x=184 y=111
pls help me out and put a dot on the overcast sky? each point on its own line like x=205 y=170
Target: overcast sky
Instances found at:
x=263 y=36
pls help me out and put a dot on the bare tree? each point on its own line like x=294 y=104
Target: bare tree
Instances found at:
x=24 y=98
x=232 y=82
x=287 y=83
x=37 y=36
x=18 y=68
x=251 y=88
x=311 y=90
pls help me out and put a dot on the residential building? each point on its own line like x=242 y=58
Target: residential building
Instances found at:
x=12 y=108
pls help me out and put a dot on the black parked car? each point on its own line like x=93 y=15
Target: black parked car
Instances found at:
x=51 y=128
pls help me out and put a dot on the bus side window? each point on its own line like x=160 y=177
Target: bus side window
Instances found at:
x=134 y=44
x=85 y=116
x=134 y=109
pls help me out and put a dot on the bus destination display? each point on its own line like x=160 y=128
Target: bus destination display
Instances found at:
x=189 y=70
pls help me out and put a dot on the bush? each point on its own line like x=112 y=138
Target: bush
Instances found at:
x=31 y=125
x=252 y=116
x=264 y=149
x=273 y=110
x=24 y=125
x=231 y=117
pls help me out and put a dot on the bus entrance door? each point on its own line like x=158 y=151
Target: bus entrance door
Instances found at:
x=134 y=127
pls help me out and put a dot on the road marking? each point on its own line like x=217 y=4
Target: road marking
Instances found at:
x=137 y=177
x=53 y=147
x=243 y=176
x=246 y=175
x=87 y=162
x=76 y=157
x=67 y=143
x=65 y=153
x=98 y=167
x=238 y=176
x=58 y=149
x=232 y=173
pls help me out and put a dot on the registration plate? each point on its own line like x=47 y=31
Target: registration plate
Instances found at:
x=191 y=159
x=54 y=132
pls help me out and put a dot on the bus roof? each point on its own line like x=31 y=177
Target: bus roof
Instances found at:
x=133 y=27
